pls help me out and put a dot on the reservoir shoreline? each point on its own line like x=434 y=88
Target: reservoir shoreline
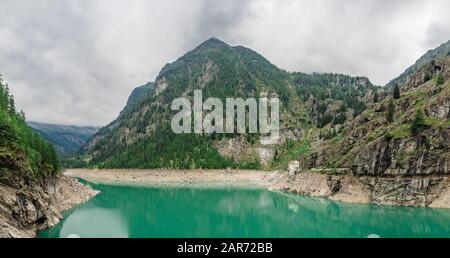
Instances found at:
x=134 y=211
x=342 y=188
x=167 y=177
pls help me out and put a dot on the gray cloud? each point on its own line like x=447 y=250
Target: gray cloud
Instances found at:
x=76 y=61
x=437 y=34
x=222 y=18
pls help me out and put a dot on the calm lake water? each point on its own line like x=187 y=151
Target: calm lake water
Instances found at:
x=166 y=212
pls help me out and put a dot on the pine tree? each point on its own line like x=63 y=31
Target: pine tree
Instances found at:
x=8 y=134
x=396 y=92
x=22 y=115
x=375 y=97
x=391 y=111
x=418 y=123
x=54 y=160
x=12 y=105
x=3 y=97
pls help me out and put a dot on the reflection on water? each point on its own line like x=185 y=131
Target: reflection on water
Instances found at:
x=100 y=223
x=121 y=211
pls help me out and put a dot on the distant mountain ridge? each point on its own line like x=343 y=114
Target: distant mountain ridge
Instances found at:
x=442 y=51
x=66 y=139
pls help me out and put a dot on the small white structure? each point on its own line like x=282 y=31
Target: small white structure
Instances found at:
x=294 y=168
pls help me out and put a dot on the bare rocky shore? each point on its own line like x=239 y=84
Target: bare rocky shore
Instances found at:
x=343 y=189
x=433 y=192
x=179 y=177
x=37 y=206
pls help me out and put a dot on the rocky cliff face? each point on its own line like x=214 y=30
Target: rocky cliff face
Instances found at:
x=398 y=164
x=26 y=209
x=28 y=205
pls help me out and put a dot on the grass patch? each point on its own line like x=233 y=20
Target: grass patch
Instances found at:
x=289 y=151
x=420 y=103
x=436 y=122
x=401 y=132
x=337 y=139
x=420 y=94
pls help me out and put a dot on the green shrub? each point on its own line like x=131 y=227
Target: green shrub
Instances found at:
x=439 y=80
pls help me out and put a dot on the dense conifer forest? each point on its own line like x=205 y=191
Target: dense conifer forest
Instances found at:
x=18 y=140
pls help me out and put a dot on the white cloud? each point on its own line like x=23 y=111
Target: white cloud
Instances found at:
x=76 y=61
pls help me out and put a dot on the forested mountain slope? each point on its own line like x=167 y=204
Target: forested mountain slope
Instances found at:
x=142 y=137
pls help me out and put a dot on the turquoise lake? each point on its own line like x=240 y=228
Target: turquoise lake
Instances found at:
x=236 y=212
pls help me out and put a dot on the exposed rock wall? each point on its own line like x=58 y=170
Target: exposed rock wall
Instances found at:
x=415 y=191
x=397 y=191
x=28 y=208
x=418 y=156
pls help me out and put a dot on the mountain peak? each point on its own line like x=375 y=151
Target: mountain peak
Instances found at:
x=213 y=43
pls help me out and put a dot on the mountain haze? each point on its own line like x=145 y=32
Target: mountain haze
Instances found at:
x=67 y=139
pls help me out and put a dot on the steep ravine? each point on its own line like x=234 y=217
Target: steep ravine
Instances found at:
x=26 y=208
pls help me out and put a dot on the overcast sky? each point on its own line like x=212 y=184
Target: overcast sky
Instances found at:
x=76 y=62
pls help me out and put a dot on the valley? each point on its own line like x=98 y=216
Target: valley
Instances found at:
x=340 y=138
x=67 y=140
